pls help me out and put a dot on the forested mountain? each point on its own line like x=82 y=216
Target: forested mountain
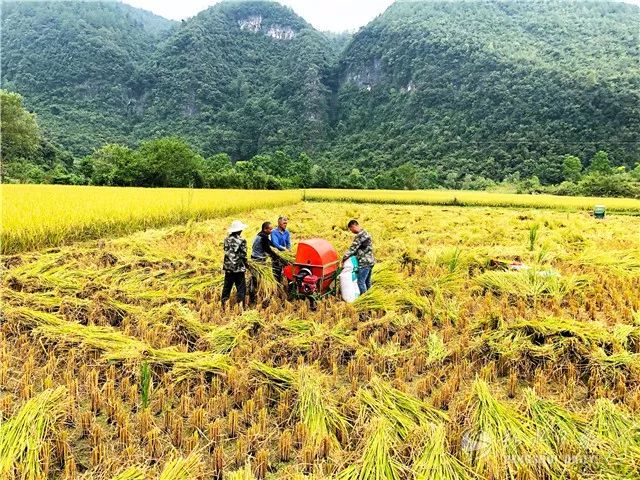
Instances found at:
x=453 y=88
x=77 y=64
x=242 y=78
x=491 y=87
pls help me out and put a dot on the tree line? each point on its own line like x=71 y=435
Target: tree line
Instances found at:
x=28 y=157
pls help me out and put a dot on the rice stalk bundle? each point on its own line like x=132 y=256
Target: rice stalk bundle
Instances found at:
x=336 y=338
x=280 y=377
x=263 y=273
x=288 y=255
x=242 y=474
x=385 y=277
x=24 y=435
x=131 y=473
x=531 y=283
x=187 y=364
x=375 y=299
x=627 y=336
x=436 y=349
x=621 y=454
x=619 y=261
x=30 y=317
x=186 y=320
x=315 y=408
x=182 y=468
x=312 y=406
x=405 y=411
x=377 y=461
x=391 y=353
x=604 y=366
x=531 y=342
x=111 y=342
x=500 y=443
x=564 y=431
x=296 y=325
x=224 y=339
x=435 y=461
x=611 y=423
x=589 y=333
x=515 y=348
x=47 y=301
x=411 y=301
x=437 y=284
x=219 y=338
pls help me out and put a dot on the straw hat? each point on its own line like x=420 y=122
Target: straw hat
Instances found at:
x=236 y=226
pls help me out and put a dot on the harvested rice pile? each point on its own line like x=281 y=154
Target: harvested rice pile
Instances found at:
x=117 y=362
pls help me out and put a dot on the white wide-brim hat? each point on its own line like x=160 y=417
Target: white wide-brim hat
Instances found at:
x=236 y=226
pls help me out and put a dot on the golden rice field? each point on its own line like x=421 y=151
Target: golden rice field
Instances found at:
x=474 y=198
x=37 y=216
x=117 y=361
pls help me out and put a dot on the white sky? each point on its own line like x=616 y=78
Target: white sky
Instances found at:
x=332 y=15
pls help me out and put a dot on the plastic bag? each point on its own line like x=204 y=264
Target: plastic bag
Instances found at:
x=349 y=280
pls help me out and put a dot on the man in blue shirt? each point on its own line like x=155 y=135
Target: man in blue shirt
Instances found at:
x=280 y=237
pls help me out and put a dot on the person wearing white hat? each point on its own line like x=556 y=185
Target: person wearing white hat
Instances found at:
x=235 y=263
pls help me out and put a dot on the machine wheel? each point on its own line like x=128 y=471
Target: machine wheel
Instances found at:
x=313 y=304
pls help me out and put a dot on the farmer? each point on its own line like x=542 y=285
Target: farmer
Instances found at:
x=235 y=263
x=260 y=249
x=281 y=239
x=362 y=248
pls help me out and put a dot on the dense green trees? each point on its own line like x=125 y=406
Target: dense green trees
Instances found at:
x=430 y=94
x=20 y=131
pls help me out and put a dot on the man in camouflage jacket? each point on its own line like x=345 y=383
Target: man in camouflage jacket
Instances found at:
x=362 y=248
x=235 y=263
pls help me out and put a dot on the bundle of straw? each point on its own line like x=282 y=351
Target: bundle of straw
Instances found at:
x=186 y=364
x=436 y=349
x=377 y=461
x=375 y=299
x=23 y=436
x=405 y=411
x=620 y=456
x=564 y=431
x=436 y=462
x=532 y=284
x=315 y=408
x=242 y=474
x=131 y=473
x=105 y=339
x=501 y=443
x=182 y=468
x=30 y=317
x=280 y=377
x=262 y=272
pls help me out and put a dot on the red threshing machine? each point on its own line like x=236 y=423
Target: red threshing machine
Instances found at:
x=314 y=274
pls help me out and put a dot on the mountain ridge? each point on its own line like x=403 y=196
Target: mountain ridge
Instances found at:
x=488 y=88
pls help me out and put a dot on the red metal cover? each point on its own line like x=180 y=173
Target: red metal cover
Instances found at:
x=316 y=251
x=321 y=257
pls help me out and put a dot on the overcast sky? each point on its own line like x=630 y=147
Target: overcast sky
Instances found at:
x=332 y=15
